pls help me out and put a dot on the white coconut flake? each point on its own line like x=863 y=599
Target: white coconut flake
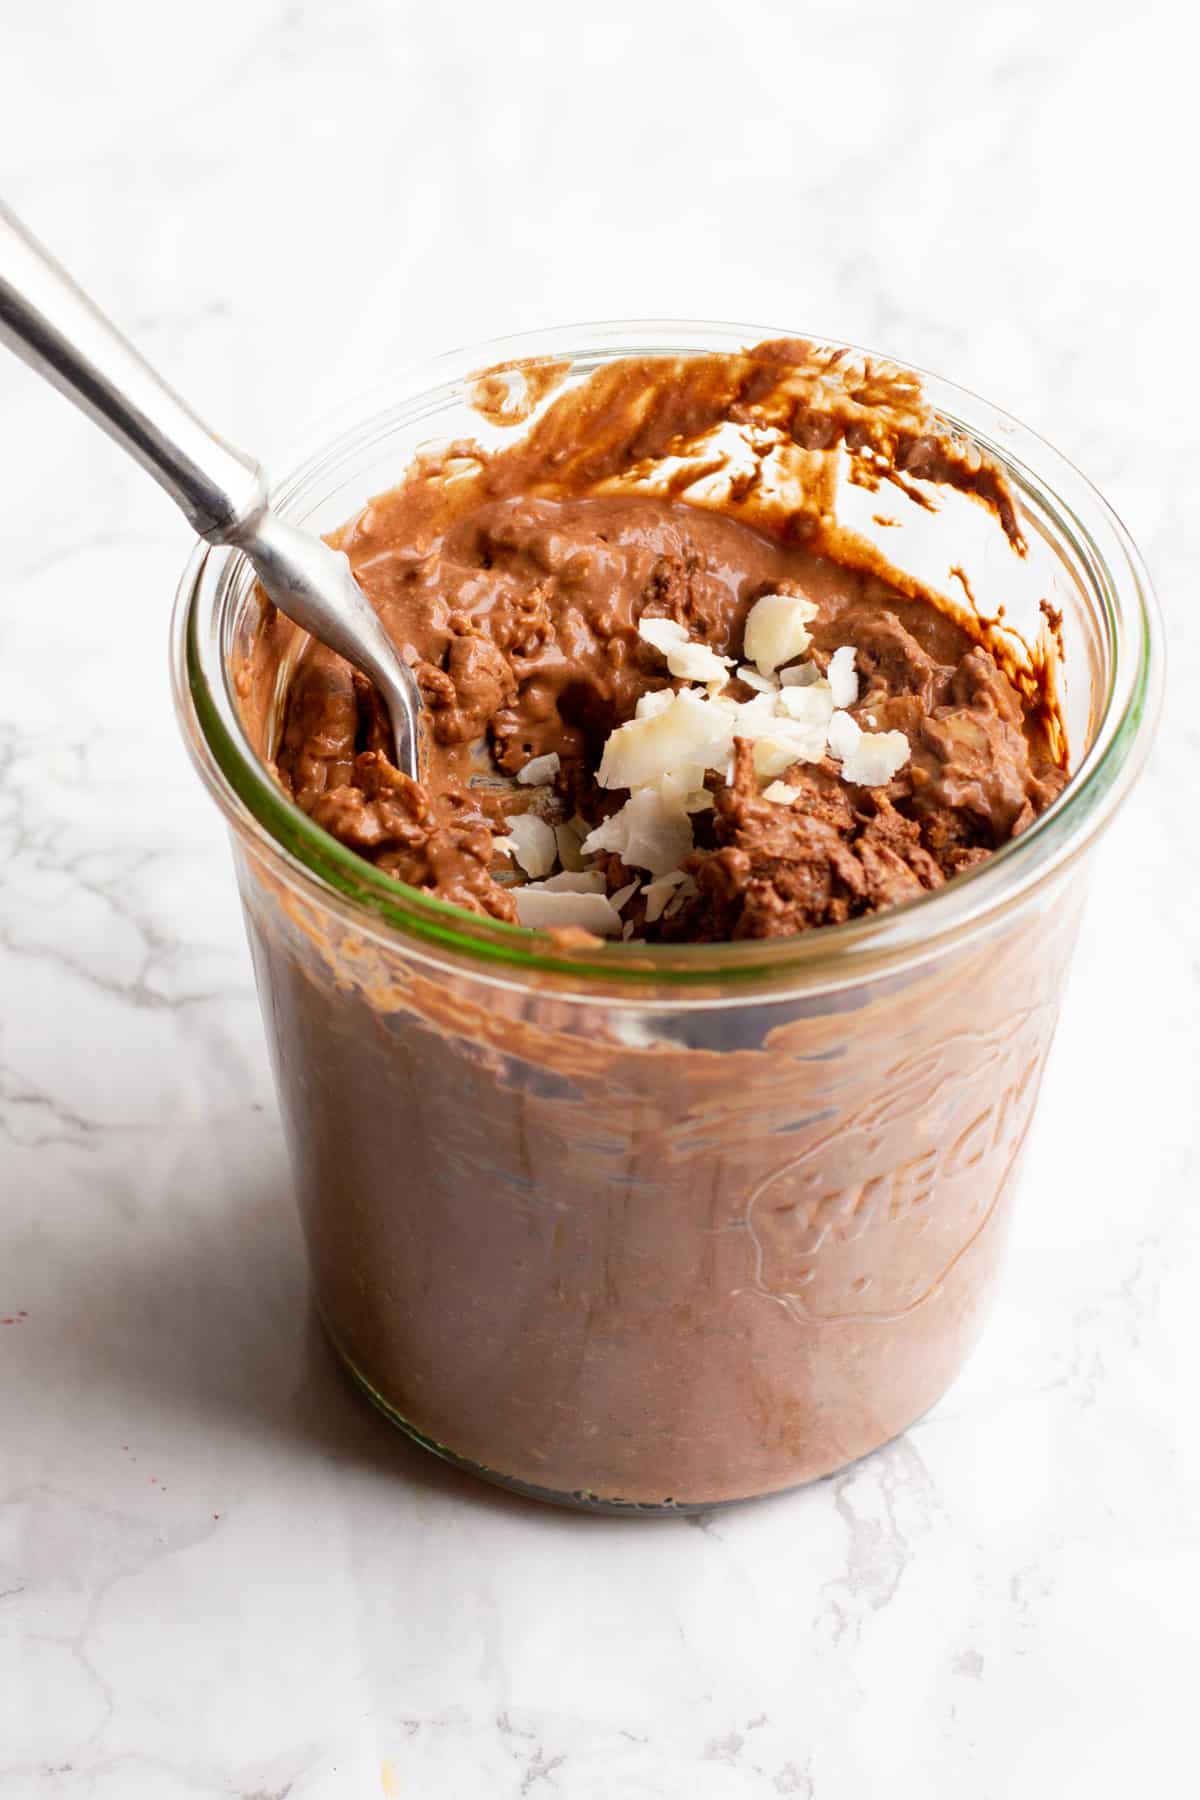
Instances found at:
x=543 y=909
x=686 y=657
x=658 y=892
x=778 y=750
x=876 y=757
x=776 y=630
x=687 y=890
x=762 y=684
x=757 y=720
x=781 y=793
x=658 y=700
x=664 y=635
x=682 y=738
x=506 y=844
x=811 y=705
x=699 y=800
x=697 y=662
x=627 y=930
x=841 y=676
x=772 y=756
x=570 y=881
x=752 y=717
x=624 y=895
x=844 y=733
x=868 y=758
x=540 y=769
x=651 y=831
x=534 y=844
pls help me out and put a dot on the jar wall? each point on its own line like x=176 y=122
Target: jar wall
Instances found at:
x=663 y=1258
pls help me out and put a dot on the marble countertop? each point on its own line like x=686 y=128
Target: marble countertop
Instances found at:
x=220 y=1574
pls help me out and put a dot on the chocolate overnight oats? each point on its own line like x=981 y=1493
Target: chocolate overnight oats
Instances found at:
x=727 y=722
x=635 y=1217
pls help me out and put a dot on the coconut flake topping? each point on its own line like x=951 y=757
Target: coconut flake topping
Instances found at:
x=540 y=769
x=651 y=831
x=686 y=658
x=776 y=630
x=549 y=909
x=533 y=843
x=676 y=737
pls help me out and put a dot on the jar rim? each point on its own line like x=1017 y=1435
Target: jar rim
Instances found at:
x=822 y=958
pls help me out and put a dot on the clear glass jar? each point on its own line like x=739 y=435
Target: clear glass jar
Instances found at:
x=660 y=1227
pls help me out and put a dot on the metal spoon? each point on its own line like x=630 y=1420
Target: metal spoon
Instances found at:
x=54 y=327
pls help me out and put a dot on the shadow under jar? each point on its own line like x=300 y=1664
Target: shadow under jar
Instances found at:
x=667 y=1226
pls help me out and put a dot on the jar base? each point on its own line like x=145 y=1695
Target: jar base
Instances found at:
x=580 y=1500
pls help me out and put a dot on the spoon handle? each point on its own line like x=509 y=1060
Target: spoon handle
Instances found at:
x=55 y=328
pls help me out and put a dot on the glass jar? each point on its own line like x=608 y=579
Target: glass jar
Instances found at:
x=660 y=1227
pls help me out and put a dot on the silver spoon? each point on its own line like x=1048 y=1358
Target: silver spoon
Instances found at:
x=54 y=327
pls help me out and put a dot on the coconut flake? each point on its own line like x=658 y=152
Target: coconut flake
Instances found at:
x=699 y=800
x=656 y=701
x=545 y=909
x=811 y=705
x=868 y=758
x=776 y=630
x=844 y=733
x=781 y=793
x=876 y=757
x=761 y=684
x=651 y=831
x=687 y=890
x=534 y=844
x=625 y=894
x=659 y=891
x=841 y=676
x=540 y=769
x=627 y=929
x=664 y=635
x=686 y=657
x=778 y=750
x=571 y=881
x=682 y=738
x=779 y=739
x=697 y=662
x=751 y=717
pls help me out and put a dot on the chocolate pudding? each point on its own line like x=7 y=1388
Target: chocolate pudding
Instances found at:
x=606 y=1242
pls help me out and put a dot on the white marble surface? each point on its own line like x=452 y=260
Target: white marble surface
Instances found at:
x=219 y=1574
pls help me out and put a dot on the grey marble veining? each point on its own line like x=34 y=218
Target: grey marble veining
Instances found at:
x=219 y=1575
